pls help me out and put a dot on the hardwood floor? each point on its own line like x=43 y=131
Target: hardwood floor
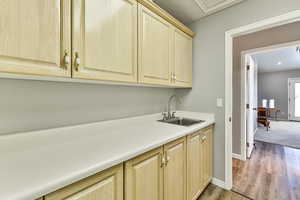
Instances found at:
x=213 y=192
x=272 y=173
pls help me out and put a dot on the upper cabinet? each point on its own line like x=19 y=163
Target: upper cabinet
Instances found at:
x=35 y=37
x=105 y=40
x=133 y=41
x=165 y=52
x=182 y=59
x=155 y=48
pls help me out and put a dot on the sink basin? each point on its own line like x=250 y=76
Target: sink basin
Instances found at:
x=182 y=121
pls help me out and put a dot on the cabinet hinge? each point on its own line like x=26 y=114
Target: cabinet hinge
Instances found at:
x=247 y=106
x=248 y=67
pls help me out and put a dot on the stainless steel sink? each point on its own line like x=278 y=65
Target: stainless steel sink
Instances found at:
x=182 y=121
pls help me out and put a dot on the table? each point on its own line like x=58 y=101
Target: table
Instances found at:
x=274 y=110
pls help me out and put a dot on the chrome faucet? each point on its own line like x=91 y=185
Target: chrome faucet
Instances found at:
x=170 y=114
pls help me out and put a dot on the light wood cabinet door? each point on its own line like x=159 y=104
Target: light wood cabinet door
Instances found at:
x=107 y=185
x=155 y=48
x=105 y=40
x=211 y=153
x=194 y=166
x=144 y=177
x=182 y=59
x=175 y=170
x=206 y=154
x=35 y=37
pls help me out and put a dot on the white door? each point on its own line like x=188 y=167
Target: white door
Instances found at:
x=294 y=99
x=251 y=102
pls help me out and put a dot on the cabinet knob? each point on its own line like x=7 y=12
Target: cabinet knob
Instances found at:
x=168 y=158
x=204 y=138
x=77 y=61
x=67 y=59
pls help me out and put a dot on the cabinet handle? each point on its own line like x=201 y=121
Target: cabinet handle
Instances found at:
x=172 y=77
x=163 y=161
x=77 y=61
x=168 y=158
x=175 y=78
x=67 y=59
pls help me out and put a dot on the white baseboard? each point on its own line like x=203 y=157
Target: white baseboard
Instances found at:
x=219 y=183
x=237 y=156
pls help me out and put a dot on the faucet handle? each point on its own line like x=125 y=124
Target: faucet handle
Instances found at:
x=164 y=115
x=173 y=114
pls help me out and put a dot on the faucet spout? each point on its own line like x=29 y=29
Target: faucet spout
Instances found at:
x=170 y=115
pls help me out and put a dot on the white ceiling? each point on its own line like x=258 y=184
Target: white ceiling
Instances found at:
x=278 y=60
x=188 y=11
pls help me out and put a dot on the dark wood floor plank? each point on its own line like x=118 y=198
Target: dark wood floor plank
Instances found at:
x=272 y=173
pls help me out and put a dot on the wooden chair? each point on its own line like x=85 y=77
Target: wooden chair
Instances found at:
x=262 y=118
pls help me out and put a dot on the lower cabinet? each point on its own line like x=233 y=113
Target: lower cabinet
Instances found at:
x=194 y=167
x=179 y=170
x=199 y=162
x=106 y=185
x=158 y=175
x=175 y=170
x=144 y=176
x=206 y=140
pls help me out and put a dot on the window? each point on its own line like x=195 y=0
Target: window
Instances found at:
x=264 y=103
x=272 y=103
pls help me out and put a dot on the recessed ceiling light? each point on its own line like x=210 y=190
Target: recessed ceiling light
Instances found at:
x=279 y=63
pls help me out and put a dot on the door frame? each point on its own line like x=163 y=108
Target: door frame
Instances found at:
x=243 y=130
x=287 y=18
x=289 y=87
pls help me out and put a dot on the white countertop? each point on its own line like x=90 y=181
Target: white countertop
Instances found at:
x=36 y=163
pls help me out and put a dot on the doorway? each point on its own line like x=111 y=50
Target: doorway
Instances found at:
x=271 y=66
x=251 y=101
x=229 y=35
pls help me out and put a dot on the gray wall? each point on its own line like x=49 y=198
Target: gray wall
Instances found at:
x=274 y=85
x=209 y=62
x=30 y=105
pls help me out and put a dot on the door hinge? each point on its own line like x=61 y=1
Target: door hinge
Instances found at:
x=247 y=106
x=230 y=119
x=248 y=145
x=248 y=67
